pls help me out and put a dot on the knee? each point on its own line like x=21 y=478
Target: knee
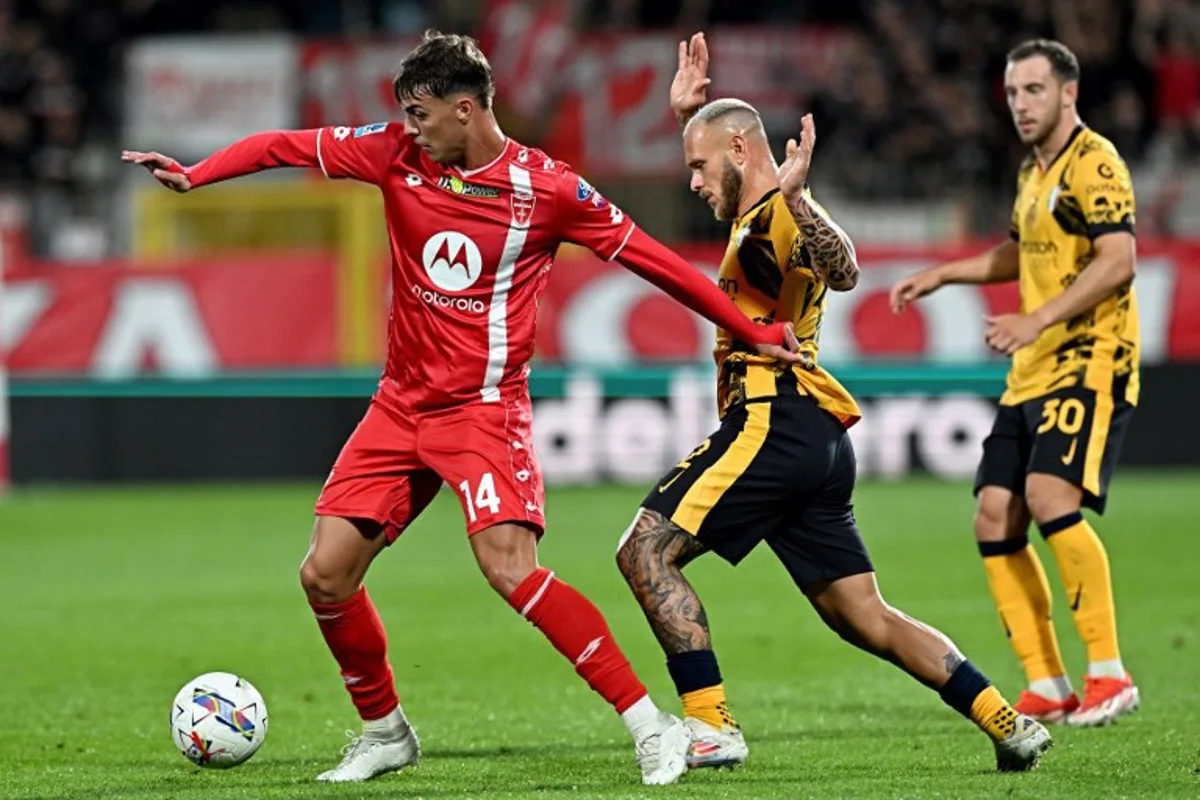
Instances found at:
x=996 y=519
x=864 y=622
x=989 y=522
x=633 y=549
x=505 y=576
x=505 y=558
x=1050 y=498
x=323 y=583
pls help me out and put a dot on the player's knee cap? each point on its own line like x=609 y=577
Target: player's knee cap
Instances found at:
x=504 y=576
x=322 y=585
x=991 y=520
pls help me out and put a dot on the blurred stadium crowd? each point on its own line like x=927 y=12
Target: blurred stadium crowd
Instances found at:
x=912 y=110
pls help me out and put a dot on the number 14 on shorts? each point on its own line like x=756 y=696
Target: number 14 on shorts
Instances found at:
x=483 y=497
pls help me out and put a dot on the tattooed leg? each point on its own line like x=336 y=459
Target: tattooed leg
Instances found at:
x=651 y=558
x=856 y=611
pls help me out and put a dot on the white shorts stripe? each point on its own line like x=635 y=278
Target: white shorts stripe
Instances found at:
x=514 y=242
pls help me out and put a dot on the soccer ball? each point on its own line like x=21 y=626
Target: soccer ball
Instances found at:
x=218 y=720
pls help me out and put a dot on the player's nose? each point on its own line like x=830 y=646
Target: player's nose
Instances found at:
x=697 y=183
x=410 y=129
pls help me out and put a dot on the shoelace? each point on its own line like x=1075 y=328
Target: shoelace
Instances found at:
x=649 y=751
x=352 y=748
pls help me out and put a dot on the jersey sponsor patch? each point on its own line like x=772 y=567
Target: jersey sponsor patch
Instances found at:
x=367 y=130
x=455 y=184
x=584 y=190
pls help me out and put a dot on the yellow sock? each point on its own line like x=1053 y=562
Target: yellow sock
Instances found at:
x=992 y=713
x=1022 y=594
x=708 y=705
x=1083 y=564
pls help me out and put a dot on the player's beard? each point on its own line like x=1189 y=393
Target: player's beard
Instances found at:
x=731 y=192
x=1044 y=132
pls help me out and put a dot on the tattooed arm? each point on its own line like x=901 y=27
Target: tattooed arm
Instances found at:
x=833 y=256
x=832 y=252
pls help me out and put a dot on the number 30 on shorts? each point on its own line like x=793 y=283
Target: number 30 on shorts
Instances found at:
x=1066 y=414
x=484 y=497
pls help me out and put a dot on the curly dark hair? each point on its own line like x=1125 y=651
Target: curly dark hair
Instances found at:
x=444 y=64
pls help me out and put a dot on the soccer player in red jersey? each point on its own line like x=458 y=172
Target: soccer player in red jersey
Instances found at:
x=474 y=220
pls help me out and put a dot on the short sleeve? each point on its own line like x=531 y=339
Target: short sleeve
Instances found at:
x=364 y=153
x=1104 y=188
x=584 y=217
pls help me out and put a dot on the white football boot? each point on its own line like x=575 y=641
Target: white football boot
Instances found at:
x=662 y=750
x=384 y=746
x=1023 y=748
x=715 y=747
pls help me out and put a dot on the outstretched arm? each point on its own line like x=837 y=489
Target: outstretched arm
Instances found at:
x=653 y=261
x=260 y=151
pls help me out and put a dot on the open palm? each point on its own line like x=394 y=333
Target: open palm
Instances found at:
x=689 y=89
x=793 y=172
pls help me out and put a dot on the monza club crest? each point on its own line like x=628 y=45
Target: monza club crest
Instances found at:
x=522 y=208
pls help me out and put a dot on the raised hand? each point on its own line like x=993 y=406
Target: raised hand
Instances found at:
x=689 y=90
x=793 y=172
x=165 y=170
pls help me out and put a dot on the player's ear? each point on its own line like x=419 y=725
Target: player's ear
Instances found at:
x=464 y=108
x=1071 y=91
x=737 y=149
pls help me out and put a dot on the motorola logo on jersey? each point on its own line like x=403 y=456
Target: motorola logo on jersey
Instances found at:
x=464 y=304
x=452 y=261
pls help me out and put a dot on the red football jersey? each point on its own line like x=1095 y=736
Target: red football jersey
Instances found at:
x=471 y=253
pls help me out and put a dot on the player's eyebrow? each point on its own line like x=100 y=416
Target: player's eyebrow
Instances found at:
x=696 y=163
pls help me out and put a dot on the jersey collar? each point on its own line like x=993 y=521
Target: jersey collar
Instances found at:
x=759 y=203
x=1067 y=146
x=467 y=173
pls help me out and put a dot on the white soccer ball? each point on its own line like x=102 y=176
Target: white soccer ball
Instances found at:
x=218 y=720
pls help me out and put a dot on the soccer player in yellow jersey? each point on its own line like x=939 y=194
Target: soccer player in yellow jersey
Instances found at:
x=781 y=466
x=1071 y=388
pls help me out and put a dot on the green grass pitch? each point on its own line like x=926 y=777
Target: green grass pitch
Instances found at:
x=114 y=597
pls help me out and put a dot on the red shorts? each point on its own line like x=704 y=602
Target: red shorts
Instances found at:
x=394 y=463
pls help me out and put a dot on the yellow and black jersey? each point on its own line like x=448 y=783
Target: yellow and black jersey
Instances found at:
x=767 y=271
x=1085 y=193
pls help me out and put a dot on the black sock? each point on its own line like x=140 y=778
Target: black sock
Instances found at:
x=693 y=670
x=963 y=687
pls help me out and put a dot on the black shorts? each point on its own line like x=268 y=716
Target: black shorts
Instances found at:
x=778 y=469
x=1073 y=433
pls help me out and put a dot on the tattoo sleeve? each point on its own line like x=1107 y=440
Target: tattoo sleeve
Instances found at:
x=833 y=256
x=651 y=560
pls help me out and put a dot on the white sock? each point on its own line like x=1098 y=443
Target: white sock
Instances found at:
x=1106 y=669
x=1055 y=688
x=640 y=716
x=393 y=726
